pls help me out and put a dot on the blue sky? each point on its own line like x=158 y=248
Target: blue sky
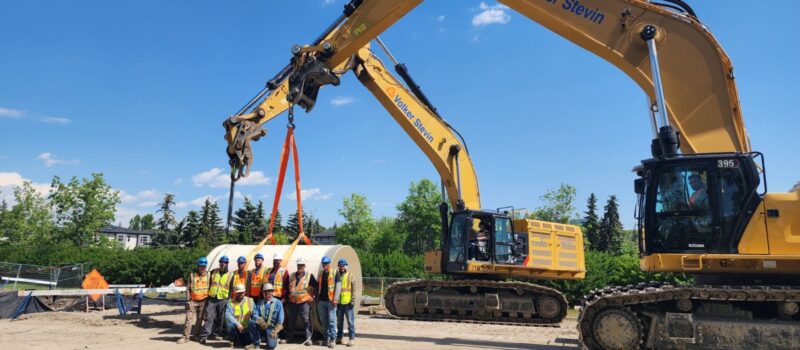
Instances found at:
x=139 y=90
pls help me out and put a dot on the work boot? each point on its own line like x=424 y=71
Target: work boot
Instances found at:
x=183 y=340
x=339 y=341
x=351 y=342
x=281 y=341
x=307 y=342
x=203 y=340
x=331 y=344
x=249 y=347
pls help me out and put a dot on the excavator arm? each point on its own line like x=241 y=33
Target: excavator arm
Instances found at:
x=698 y=82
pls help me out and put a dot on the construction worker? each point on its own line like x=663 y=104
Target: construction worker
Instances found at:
x=241 y=275
x=329 y=287
x=345 y=306
x=299 y=301
x=195 y=308
x=238 y=315
x=278 y=277
x=268 y=316
x=257 y=278
x=218 y=295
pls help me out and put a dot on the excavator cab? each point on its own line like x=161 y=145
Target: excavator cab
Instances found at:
x=478 y=236
x=696 y=203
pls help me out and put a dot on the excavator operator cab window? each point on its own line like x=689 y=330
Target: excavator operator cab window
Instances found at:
x=503 y=240
x=698 y=204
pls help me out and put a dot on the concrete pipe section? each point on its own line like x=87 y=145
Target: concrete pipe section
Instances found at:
x=313 y=255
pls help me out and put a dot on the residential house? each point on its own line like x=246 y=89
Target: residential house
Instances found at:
x=128 y=238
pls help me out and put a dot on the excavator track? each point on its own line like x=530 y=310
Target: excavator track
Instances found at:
x=476 y=301
x=663 y=316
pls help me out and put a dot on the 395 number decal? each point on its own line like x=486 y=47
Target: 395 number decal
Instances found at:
x=727 y=163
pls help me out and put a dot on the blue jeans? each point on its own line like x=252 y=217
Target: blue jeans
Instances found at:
x=239 y=338
x=327 y=318
x=341 y=311
x=258 y=336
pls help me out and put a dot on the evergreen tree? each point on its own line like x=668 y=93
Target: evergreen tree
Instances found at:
x=249 y=223
x=292 y=228
x=591 y=224
x=167 y=220
x=190 y=229
x=610 y=232
x=210 y=225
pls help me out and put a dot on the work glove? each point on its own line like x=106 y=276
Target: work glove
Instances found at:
x=274 y=333
x=262 y=325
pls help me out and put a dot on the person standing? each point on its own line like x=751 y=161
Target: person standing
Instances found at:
x=196 y=305
x=218 y=295
x=300 y=300
x=238 y=314
x=346 y=304
x=241 y=275
x=257 y=278
x=328 y=291
x=268 y=316
x=278 y=276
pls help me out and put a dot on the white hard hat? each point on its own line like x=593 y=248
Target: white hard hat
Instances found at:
x=267 y=286
x=239 y=288
x=301 y=261
x=276 y=257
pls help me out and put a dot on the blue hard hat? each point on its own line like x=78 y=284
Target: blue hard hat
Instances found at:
x=326 y=260
x=259 y=256
x=224 y=259
x=343 y=261
x=241 y=260
x=202 y=261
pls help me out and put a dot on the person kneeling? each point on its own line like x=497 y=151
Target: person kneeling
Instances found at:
x=268 y=316
x=238 y=315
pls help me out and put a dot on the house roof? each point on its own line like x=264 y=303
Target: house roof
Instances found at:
x=122 y=230
x=325 y=234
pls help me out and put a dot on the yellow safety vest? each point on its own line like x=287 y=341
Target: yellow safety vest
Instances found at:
x=346 y=295
x=299 y=290
x=198 y=286
x=331 y=284
x=242 y=311
x=220 y=284
x=257 y=281
x=278 y=282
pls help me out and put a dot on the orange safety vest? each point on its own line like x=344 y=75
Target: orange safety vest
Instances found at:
x=257 y=281
x=278 y=282
x=198 y=286
x=239 y=279
x=298 y=293
x=331 y=284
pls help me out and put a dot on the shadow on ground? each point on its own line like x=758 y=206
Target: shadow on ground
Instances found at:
x=468 y=343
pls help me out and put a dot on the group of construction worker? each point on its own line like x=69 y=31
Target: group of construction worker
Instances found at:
x=247 y=306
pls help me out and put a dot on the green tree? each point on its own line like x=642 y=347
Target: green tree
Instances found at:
x=591 y=223
x=190 y=229
x=29 y=219
x=610 y=231
x=135 y=223
x=388 y=238
x=148 y=222
x=167 y=220
x=211 y=230
x=292 y=228
x=419 y=219
x=359 y=227
x=83 y=207
x=558 y=206
x=249 y=222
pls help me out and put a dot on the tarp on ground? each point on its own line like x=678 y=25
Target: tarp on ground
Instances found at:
x=10 y=302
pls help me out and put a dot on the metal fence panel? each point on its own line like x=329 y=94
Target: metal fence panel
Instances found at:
x=25 y=276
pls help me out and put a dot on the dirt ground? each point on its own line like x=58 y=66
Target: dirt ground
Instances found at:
x=159 y=327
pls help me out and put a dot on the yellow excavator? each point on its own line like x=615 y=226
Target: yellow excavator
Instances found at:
x=703 y=206
x=480 y=248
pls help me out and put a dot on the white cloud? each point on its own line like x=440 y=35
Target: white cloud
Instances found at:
x=126 y=197
x=328 y=2
x=55 y=120
x=440 y=18
x=495 y=14
x=310 y=194
x=178 y=181
x=8 y=181
x=217 y=178
x=50 y=159
x=148 y=204
x=11 y=113
x=197 y=202
x=340 y=101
